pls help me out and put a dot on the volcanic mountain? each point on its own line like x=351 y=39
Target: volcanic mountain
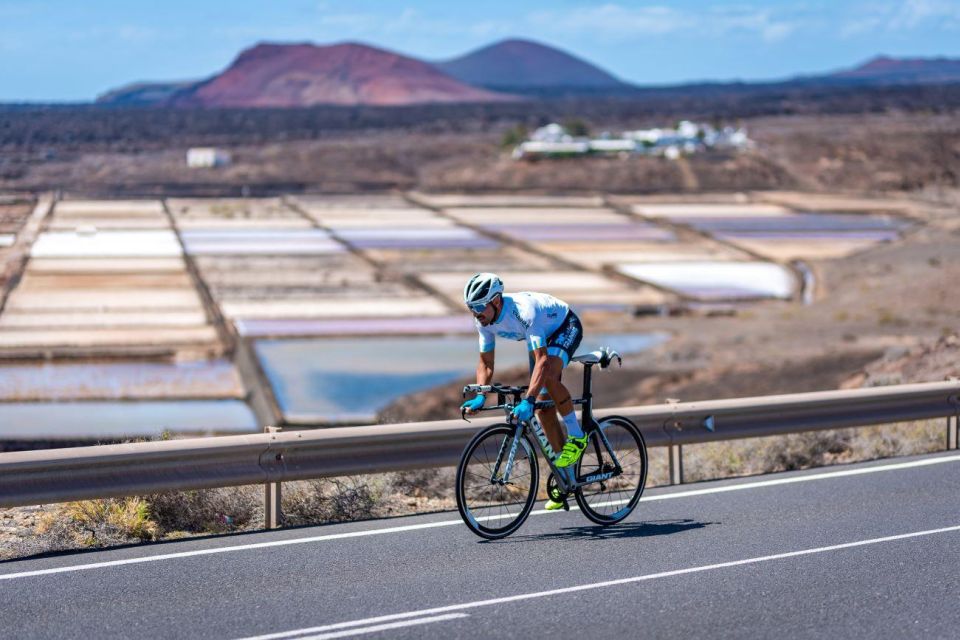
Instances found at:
x=300 y=75
x=530 y=67
x=886 y=70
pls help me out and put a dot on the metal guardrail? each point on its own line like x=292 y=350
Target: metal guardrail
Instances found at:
x=60 y=475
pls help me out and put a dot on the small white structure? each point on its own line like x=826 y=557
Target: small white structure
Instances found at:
x=687 y=129
x=552 y=132
x=687 y=138
x=613 y=146
x=207 y=157
x=558 y=148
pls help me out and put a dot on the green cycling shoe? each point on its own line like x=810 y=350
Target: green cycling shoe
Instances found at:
x=553 y=506
x=557 y=499
x=573 y=449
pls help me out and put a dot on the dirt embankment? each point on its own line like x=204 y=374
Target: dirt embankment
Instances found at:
x=924 y=363
x=883 y=152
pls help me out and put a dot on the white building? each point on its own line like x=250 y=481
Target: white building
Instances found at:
x=613 y=146
x=552 y=132
x=551 y=148
x=205 y=157
x=687 y=138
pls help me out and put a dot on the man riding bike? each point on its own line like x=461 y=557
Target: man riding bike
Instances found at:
x=552 y=332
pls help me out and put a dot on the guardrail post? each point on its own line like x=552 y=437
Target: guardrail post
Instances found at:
x=953 y=432
x=271 y=505
x=272 y=493
x=676 y=464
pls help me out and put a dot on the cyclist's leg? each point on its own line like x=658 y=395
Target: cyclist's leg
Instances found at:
x=561 y=346
x=548 y=417
x=560 y=395
x=555 y=390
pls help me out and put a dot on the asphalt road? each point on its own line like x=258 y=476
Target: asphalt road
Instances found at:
x=869 y=550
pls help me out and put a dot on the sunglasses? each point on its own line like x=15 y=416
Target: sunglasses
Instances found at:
x=477 y=307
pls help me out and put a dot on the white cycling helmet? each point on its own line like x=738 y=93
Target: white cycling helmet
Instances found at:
x=481 y=289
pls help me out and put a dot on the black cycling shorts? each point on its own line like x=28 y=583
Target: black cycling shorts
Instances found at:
x=564 y=342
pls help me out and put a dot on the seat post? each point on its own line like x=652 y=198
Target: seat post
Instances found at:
x=587 y=411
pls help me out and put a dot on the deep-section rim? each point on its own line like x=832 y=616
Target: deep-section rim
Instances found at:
x=631 y=504
x=472 y=523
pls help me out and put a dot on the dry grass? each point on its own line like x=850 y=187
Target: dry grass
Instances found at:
x=332 y=500
x=86 y=524
x=207 y=510
x=814 y=449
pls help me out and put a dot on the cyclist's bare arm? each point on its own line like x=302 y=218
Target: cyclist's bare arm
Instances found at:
x=539 y=376
x=485 y=368
x=484 y=372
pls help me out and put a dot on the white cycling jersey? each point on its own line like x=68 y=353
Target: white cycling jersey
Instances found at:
x=525 y=315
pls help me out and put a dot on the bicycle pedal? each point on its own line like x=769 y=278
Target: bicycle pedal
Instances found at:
x=566 y=505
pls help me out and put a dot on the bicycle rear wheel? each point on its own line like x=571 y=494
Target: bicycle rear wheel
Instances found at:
x=491 y=507
x=612 y=500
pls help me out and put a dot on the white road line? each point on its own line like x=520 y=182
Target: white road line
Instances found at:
x=379 y=627
x=611 y=583
x=240 y=547
x=896 y=466
x=448 y=523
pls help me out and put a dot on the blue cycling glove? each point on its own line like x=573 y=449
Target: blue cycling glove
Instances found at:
x=523 y=411
x=473 y=404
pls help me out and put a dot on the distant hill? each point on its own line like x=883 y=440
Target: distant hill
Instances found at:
x=523 y=66
x=301 y=75
x=887 y=70
x=144 y=93
x=304 y=75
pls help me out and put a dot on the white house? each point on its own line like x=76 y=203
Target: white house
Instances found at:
x=199 y=157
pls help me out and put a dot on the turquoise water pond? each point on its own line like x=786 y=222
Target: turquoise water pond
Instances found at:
x=348 y=380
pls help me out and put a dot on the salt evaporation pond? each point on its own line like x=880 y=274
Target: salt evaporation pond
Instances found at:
x=716 y=280
x=120 y=420
x=64 y=381
x=317 y=381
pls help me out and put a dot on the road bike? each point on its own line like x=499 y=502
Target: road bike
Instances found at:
x=498 y=476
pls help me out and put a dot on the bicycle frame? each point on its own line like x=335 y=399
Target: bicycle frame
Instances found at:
x=564 y=478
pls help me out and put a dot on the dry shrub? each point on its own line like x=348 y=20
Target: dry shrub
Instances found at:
x=330 y=500
x=805 y=450
x=902 y=439
x=658 y=471
x=207 y=510
x=90 y=523
x=436 y=483
x=812 y=449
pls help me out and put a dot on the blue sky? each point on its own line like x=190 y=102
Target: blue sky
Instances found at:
x=57 y=50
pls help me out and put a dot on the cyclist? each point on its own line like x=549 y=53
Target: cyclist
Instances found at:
x=552 y=332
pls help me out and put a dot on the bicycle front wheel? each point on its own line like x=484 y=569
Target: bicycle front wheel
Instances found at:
x=493 y=499
x=611 y=500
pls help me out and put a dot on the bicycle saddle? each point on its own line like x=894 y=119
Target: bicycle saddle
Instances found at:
x=602 y=356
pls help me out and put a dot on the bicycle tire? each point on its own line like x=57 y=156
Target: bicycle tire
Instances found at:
x=508 y=507
x=611 y=501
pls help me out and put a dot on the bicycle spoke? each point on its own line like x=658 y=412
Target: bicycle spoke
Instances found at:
x=491 y=507
x=612 y=499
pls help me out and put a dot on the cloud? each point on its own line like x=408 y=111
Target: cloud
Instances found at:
x=613 y=19
x=905 y=16
x=126 y=33
x=914 y=13
x=405 y=26
x=753 y=21
x=617 y=21
x=133 y=33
